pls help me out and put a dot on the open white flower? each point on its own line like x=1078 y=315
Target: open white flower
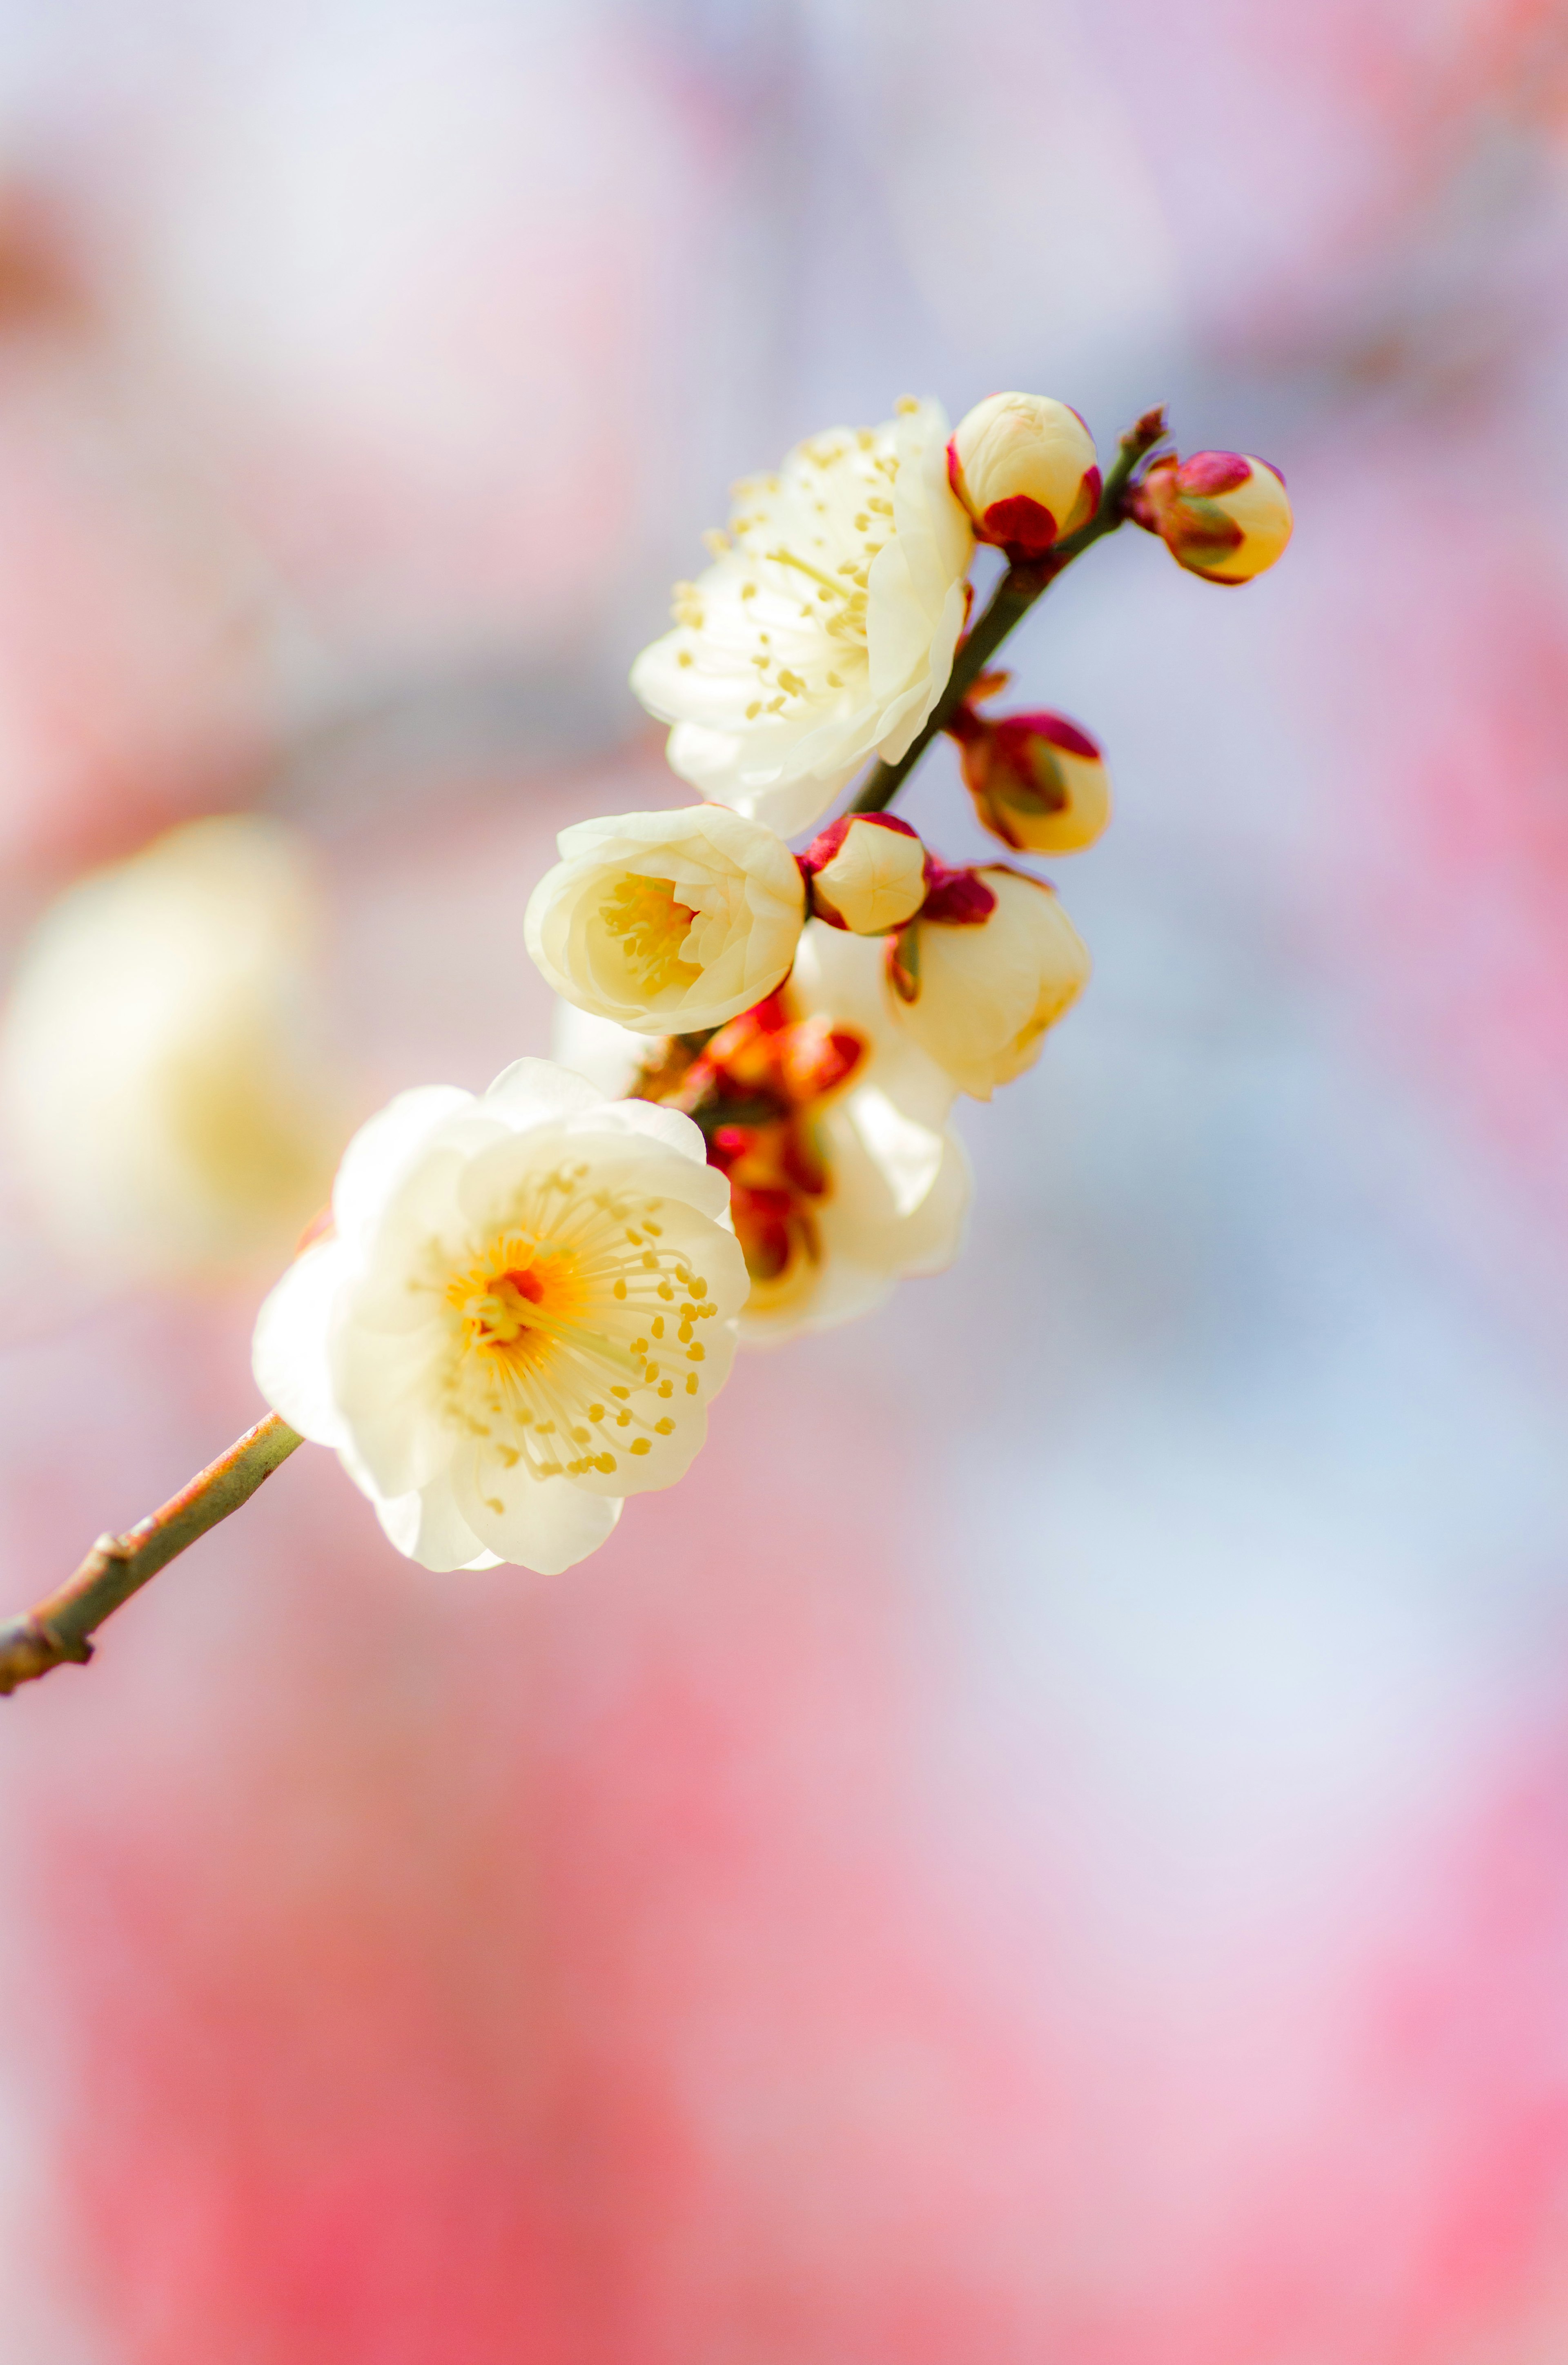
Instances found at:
x=527 y=1300
x=168 y=1096
x=668 y=922
x=823 y=632
x=978 y=988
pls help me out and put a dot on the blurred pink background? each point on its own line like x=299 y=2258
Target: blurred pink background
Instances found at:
x=1053 y=1843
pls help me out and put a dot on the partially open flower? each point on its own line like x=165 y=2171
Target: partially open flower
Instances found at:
x=991 y=962
x=668 y=922
x=823 y=632
x=1220 y=514
x=1039 y=783
x=866 y=873
x=526 y=1301
x=168 y=1090
x=1026 y=469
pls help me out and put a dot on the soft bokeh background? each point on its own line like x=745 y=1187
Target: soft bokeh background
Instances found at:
x=1053 y=1843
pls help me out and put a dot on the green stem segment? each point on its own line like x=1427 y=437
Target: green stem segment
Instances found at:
x=1010 y=603
x=117 y=1566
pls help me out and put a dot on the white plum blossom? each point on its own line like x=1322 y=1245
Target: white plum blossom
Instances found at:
x=823 y=632
x=169 y=1095
x=668 y=922
x=525 y=1303
x=978 y=993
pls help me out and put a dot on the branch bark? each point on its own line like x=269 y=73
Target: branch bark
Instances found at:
x=57 y=1629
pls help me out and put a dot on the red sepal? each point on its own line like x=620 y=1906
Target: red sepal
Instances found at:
x=823 y=846
x=957 y=899
x=1020 y=523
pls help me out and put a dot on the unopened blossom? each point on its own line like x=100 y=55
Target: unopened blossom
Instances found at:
x=668 y=922
x=525 y=1302
x=168 y=1096
x=830 y=1125
x=1039 y=783
x=866 y=873
x=1220 y=514
x=1027 y=471
x=823 y=632
x=991 y=964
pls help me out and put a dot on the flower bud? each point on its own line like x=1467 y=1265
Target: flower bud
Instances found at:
x=978 y=991
x=668 y=922
x=866 y=873
x=1039 y=783
x=1025 y=469
x=1220 y=514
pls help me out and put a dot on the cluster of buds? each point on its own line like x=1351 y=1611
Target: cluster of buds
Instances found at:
x=529 y=1298
x=1220 y=514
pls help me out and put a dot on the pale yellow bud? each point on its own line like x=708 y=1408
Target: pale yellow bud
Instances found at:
x=977 y=993
x=1026 y=469
x=1039 y=783
x=1220 y=514
x=867 y=874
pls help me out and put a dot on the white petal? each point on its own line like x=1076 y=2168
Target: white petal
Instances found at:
x=382 y=1149
x=652 y=1121
x=538 y=1092
x=544 y=1524
x=289 y=1353
x=428 y=1527
x=908 y=1154
x=610 y=1057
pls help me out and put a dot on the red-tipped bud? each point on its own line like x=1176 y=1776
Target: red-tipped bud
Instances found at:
x=1024 y=467
x=1039 y=783
x=866 y=873
x=1220 y=514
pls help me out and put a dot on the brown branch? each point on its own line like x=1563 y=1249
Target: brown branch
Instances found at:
x=58 y=1626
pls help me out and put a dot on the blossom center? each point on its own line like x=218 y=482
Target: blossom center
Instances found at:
x=653 y=928
x=574 y=1336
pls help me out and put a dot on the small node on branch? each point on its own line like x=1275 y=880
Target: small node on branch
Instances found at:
x=29 y=1649
x=1146 y=432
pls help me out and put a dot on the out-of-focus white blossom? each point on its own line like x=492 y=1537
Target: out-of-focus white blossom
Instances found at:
x=867 y=873
x=823 y=632
x=1026 y=469
x=984 y=972
x=831 y=1124
x=1220 y=514
x=165 y=1089
x=668 y=922
x=526 y=1301
x=895 y=1179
